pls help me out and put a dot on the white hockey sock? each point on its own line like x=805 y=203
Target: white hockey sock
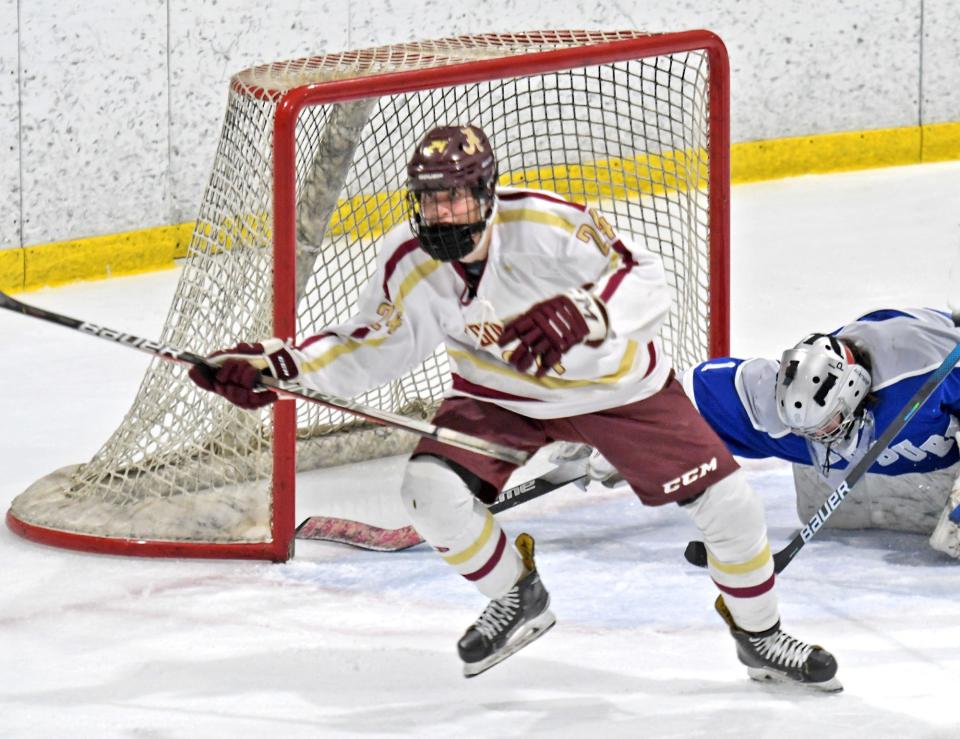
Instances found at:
x=458 y=526
x=730 y=517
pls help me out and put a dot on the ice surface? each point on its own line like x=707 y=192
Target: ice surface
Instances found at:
x=342 y=642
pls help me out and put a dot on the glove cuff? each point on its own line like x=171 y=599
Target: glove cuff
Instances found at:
x=282 y=364
x=594 y=314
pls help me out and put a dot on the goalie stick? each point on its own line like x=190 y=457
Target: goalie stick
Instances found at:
x=180 y=356
x=376 y=539
x=696 y=552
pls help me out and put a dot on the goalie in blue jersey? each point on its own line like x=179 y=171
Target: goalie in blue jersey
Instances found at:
x=828 y=399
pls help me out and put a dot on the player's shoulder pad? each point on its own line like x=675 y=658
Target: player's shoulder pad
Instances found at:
x=903 y=343
x=756 y=384
x=399 y=255
x=515 y=198
x=726 y=384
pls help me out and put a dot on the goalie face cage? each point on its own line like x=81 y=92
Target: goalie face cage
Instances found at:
x=309 y=174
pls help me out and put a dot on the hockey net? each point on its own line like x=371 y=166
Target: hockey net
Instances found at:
x=309 y=174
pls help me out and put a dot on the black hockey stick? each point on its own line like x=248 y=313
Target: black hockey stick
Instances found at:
x=374 y=538
x=180 y=356
x=696 y=552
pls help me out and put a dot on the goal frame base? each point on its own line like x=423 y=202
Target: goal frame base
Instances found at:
x=274 y=551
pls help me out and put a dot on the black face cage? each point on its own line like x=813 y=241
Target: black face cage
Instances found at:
x=448 y=242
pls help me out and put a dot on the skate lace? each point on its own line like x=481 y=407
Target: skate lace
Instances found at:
x=498 y=614
x=783 y=649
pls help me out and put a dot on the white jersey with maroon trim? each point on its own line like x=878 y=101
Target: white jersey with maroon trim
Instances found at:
x=541 y=245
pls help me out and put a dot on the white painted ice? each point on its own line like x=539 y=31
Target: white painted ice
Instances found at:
x=341 y=642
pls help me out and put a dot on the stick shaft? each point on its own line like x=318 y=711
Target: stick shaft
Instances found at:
x=181 y=356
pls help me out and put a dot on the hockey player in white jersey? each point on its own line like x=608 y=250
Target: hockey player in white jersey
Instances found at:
x=828 y=399
x=550 y=319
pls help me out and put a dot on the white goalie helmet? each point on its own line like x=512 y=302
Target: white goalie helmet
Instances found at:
x=821 y=388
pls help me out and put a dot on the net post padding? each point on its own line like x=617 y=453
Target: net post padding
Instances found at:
x=308 y=176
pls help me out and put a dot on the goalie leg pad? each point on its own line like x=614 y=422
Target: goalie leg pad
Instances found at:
x=946 y=536
x=730 y=516
x=459 y=527
x=908 y=502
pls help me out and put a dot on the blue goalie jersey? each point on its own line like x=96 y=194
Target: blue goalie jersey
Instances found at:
x=737 y=398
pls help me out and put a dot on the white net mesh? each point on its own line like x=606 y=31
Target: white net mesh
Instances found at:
x=629 y=136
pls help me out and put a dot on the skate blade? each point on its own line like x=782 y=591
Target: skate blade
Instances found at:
x=763 y=675
x=530 y=633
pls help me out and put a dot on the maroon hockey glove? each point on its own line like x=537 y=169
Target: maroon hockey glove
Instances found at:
x=548 y=329
x=238 y=376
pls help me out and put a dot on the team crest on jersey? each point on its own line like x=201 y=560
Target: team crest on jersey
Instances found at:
x=488 y=333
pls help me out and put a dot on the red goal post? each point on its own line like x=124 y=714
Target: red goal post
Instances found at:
x=308 y=177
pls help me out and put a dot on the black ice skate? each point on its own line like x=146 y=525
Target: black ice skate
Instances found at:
x=510 y=622
x=777 y=656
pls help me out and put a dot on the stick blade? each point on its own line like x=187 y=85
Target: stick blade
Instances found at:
x=357 y=534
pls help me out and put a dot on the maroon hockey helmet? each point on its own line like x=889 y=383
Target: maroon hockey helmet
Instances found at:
x=451 y=158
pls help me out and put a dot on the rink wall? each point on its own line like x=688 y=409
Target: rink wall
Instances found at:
x=110 y=111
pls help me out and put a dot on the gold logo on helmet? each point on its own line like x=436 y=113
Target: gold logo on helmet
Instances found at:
x=437 y=146
x=474 y=144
